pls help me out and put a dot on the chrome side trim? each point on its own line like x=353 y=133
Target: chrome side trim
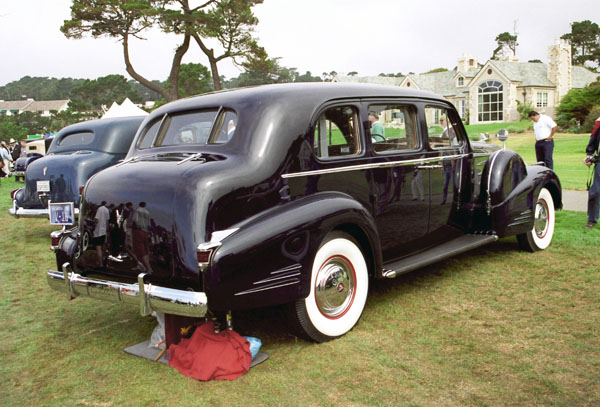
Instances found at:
x=259 y=289
x=147 y=296
x=281 y=277
x=287 y=269
x=419 y=161
x=523 y=217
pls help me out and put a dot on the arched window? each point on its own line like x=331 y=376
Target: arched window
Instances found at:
x=491 y=105
x=461 y=81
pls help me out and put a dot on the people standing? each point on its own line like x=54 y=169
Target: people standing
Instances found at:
x=591 y=151
x=102 y=216
x=544 y=128
x=6 y=159
x=376 y=127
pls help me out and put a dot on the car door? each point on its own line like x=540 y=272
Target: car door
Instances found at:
x=399 y=186
x=447 y=157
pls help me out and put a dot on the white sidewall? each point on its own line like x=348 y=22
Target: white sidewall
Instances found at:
x=544 y=242
x=341 y=325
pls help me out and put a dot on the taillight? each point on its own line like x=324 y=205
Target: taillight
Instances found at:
x=55 y=240
x=13 y=193
x=203 y=256
x=81 y=189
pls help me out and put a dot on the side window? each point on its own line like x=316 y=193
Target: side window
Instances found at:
x=149 y=135
x=186 y=128
x=337 y=133
x=226 y=125
x=441 y=125
x=393 y=128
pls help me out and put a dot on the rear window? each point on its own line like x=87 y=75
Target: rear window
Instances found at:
x=190 y=128
x=77 y=139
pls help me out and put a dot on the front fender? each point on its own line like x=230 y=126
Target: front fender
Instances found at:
x=511 y=189
x=268 y=260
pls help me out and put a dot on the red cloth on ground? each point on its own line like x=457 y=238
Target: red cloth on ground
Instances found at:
x=207 y=355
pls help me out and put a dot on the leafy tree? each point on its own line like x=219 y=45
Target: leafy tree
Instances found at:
x=229 y=22
x=10 y=129
x=535 y=61
x=505 y=40
x=93 y=93
x=194 y=79
x=353 y=73
x=584 y=37
x=577 y=104
x=307 y=77
x=124 y=19
x=436 y=70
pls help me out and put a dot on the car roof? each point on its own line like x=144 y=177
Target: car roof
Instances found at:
x=295 y=94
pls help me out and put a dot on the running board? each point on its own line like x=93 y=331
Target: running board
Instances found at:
x=435 y=254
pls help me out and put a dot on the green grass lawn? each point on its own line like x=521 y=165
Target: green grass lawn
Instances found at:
x=569 y=152
x=494 y=327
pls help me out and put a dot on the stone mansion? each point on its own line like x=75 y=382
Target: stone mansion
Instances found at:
x=489 y=92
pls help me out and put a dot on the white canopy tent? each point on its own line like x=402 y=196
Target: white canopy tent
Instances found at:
x=125 y=109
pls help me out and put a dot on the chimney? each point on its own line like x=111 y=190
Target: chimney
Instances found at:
x=559 y=68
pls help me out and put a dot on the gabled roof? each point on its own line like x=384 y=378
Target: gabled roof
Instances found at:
x=15 y=104
x=583 y=77
x=527 y=73
x=47 y=105
x=379 y=80
x=442 y=83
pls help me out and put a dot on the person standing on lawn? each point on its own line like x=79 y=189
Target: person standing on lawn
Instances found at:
x=544 y=128
x=594 y=191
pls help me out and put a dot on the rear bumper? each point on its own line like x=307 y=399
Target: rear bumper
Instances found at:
x=147 y=296
x=17 y=212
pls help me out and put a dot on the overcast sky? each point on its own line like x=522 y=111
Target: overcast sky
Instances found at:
x=367 y=36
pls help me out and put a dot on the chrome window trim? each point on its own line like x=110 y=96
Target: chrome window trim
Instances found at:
x=419 y=161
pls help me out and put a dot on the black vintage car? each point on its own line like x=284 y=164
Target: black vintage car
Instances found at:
x=35 y=149
x=77 y=152
x=295 y=194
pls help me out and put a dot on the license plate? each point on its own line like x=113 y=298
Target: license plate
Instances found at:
x=43 y=186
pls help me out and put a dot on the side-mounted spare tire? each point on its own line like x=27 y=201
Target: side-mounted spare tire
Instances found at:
x=540 y=236
x=339 y=285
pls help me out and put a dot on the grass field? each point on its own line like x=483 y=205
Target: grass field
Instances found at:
x=569 y=152
x=494 y=327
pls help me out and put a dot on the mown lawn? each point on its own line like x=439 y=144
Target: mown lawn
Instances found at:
x=569 y=152
x=495 y=327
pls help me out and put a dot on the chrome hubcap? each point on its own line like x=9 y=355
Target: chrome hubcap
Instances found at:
x=541 y=219
x=335 y=287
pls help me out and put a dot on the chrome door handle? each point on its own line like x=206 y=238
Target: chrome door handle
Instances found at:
x=429 y=166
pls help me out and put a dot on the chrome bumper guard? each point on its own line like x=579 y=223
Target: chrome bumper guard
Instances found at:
x=147 y=296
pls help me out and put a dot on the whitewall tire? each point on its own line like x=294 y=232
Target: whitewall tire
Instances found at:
x=540 y=236
x=338 y=290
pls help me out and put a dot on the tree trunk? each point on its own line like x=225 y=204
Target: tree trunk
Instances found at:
x=210 y=54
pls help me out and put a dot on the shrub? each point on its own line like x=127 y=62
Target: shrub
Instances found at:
x=588 y=123
x=524 y=108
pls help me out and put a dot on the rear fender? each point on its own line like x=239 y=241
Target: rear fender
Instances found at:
x=269 y=258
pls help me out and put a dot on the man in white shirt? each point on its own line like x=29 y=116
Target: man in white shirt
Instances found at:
x=544 y=128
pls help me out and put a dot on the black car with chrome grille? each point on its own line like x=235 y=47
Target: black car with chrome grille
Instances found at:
x=295 y=194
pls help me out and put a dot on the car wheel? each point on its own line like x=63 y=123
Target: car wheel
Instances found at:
x=338 y=290
x=540 y=236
